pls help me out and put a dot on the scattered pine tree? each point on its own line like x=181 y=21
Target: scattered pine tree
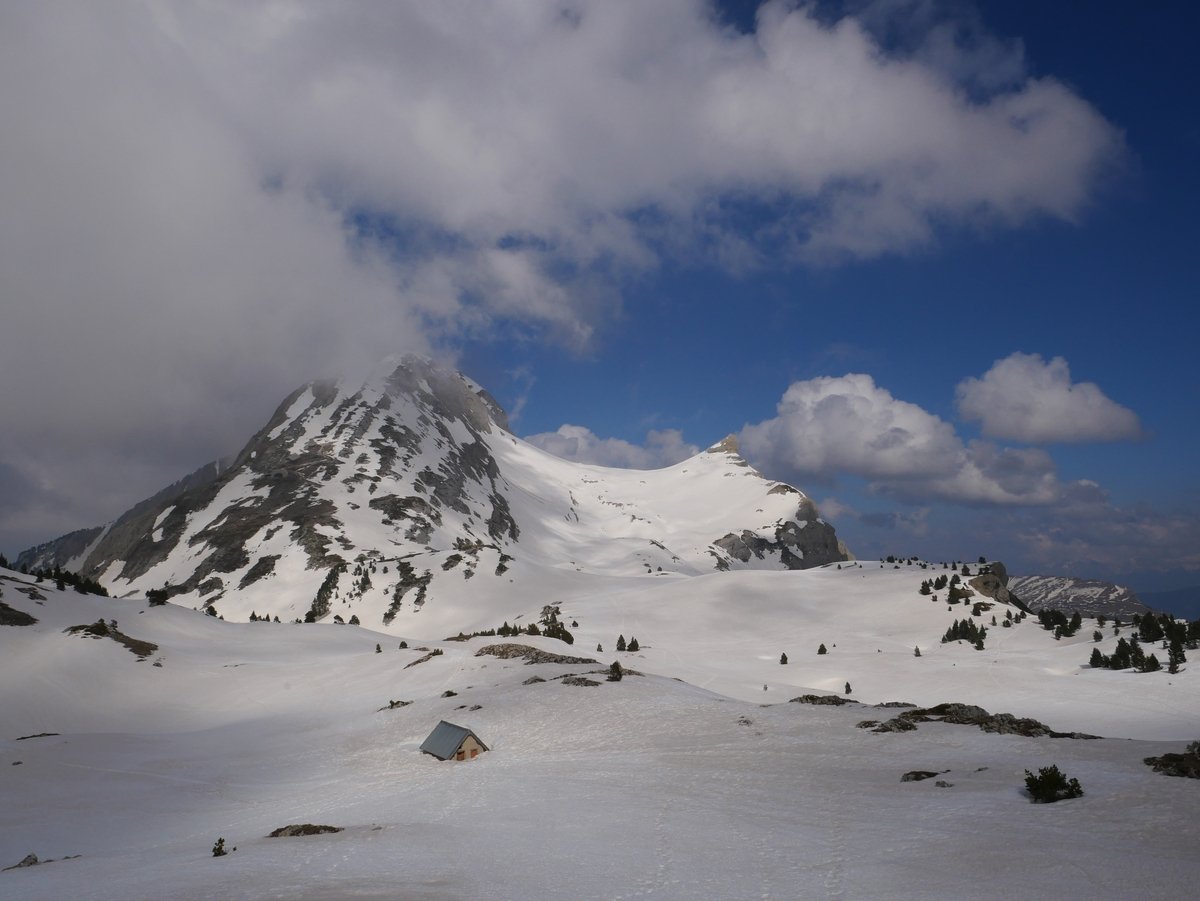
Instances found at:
x=966 y=630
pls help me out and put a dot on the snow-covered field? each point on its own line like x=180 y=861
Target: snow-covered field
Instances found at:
x=690 y=781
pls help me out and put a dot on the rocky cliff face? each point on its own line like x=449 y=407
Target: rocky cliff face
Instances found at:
x=376 y=500
x=801 y=542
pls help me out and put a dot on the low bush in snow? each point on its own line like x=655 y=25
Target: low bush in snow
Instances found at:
x=1050 y=785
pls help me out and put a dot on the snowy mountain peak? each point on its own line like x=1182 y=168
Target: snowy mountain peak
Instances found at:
x=409 y=495
x=727 y=445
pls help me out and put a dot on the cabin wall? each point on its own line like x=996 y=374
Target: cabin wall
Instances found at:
x=469 y=748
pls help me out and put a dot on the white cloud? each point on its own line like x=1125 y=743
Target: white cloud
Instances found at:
x=1025 y=398
x=207 y=204
x=663 y=447
x=177 y=183
x=563 y=124
x=829 y=427
x=848 y=424
x=986 y=474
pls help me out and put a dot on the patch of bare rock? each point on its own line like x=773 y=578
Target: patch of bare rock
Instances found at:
x=830 y=700
x=509 y=651
x=1186 y=765
x=302 y=829
x=101 y=629
x=969 y=715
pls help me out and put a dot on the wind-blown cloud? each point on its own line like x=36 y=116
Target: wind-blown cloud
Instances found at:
x=581 y=445
x=829 y=427
x=1025 y=398
x=208 y=204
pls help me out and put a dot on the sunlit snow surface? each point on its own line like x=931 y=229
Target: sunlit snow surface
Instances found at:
x=709 y=787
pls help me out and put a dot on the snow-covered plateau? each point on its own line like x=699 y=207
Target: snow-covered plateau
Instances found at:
x=694 y=778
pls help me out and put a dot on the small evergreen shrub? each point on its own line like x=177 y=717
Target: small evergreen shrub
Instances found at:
x=1050 y=785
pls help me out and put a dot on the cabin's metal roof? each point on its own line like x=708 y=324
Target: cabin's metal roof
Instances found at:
x=446 y=738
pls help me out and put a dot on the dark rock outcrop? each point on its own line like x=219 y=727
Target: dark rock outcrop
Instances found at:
x=821 y=700
x=992 y=582
x=582 y=681
x=11 y=616
x=895 y=724
x=799 y=546
x=802 y=541
x=101 y=629
x=1186 y=765
x=530 y=654
x=970 y=715
x=302 y=829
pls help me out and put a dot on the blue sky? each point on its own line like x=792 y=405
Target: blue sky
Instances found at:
x=1113 y=293
x=954 y=240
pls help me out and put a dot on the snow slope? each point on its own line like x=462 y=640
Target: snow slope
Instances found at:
x=648 y=787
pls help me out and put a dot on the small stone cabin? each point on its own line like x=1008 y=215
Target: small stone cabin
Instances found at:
x=450 y=742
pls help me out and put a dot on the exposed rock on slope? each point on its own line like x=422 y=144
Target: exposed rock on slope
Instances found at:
x=1186 y=765
x=801 y=542
x=992 y=582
